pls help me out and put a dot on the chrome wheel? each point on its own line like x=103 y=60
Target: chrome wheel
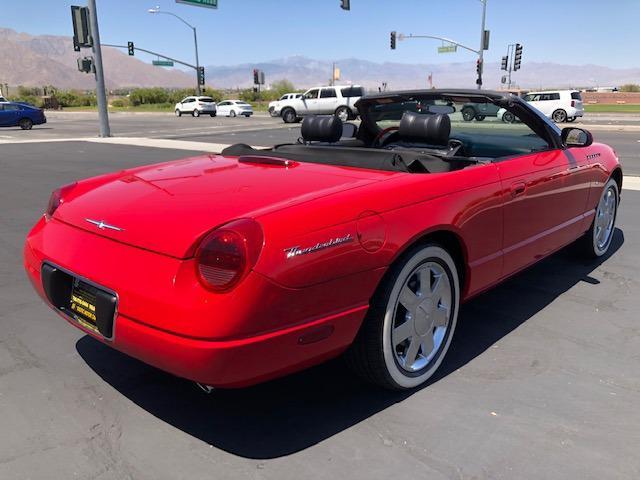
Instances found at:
x=605 y=218
x=559 y=116
x=422 y=316
x=343 y=113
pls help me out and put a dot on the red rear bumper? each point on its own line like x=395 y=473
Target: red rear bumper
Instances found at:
x=165 y=318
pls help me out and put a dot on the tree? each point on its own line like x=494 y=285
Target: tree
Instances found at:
x=630 y=87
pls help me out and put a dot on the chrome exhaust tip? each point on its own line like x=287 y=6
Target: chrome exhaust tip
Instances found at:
x=205 y=388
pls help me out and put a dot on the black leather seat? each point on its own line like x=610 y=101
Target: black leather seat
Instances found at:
x=321 y=128
x=429 y=129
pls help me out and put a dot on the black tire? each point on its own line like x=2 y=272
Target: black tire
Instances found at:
x=196 y=113
x=298 y=120
x=232 y=113
x=468 y=114
x=212 y=114
x=592 y=244
x=25 y=123
x=288 y=115
x=343 y=113
x=508 y=117
x=480 y=118
x=571 y=119
x=374 y=353
x=559 y=116
x=178 y=113
x=272 y=112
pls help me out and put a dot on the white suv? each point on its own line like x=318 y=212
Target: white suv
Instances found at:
x=336 y=100
x=276 y=105
x=196 y=106
x=559 y=105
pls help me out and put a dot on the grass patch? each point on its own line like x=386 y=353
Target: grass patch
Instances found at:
x=160 y=107
x=611 y=108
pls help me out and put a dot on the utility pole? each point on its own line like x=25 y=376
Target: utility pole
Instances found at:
x=101 y=95
x=483 y=44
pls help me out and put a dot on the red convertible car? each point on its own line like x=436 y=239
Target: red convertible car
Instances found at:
x=236 y=268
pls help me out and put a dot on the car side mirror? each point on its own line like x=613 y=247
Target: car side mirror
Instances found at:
x=349 y=130
x=576 y=137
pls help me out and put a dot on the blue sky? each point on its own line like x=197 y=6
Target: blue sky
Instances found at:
x=246 y=31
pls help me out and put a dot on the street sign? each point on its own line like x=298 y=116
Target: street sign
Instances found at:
x=81 y=28
x=448 y=49
x=162 y=63
x=200 y=3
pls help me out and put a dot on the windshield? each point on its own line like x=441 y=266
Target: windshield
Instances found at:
x=485 y=128
x=206 y=99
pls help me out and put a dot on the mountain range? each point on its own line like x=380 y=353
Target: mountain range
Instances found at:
x=36 y=60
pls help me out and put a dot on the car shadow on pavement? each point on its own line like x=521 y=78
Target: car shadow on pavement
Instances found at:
x=290 y=414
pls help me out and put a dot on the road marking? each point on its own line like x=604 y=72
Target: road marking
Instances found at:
x=631 y=183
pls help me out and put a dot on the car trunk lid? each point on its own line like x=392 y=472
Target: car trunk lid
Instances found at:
x=167 y=207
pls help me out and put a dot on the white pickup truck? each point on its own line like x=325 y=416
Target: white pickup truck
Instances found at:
x=276 y=105
x=336 y=100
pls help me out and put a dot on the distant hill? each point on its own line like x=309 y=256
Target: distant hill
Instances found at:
x=50 y=60
x=32 y=60
x=307 y=72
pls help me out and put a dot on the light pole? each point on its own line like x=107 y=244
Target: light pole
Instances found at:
x=195 y=41
x=483 y=43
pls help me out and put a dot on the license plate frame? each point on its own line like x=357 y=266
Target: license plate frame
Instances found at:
x=94 y=308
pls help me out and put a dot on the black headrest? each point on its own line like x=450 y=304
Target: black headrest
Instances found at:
x=433 y=129
x=325 y=128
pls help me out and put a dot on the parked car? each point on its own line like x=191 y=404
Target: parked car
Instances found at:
x=506 y=116
x=233 y=108
x=13 y=114
x=560 y=105
x=196 y=106
x=276 y=105
x=478 y=111
x=335 y=100
x=236 y=268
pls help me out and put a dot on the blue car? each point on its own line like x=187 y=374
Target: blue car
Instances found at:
x=14 y=114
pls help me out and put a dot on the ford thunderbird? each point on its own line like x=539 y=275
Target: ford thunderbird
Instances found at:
x=358 y=239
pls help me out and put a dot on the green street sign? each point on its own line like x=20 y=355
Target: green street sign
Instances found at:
x=200 y=3
x=163 y=63
x=448 y=49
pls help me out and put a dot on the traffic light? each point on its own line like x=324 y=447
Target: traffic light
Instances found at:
x=479 y=67
x=505 y=63
x=517 y=58
x=86 y=65
x=345 y=4
x=131 y=48
x=200 y=75
x=81 y=27
x=393 y=40
x=256 y=76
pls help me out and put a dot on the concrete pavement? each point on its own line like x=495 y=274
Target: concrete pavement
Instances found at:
x=542 y=380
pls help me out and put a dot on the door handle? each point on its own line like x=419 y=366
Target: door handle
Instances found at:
x=518 y=189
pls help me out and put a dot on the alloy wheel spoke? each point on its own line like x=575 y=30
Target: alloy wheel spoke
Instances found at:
x=424 y=276
x=402 y=332
x=440 y=316
x=427 y=345
x=408 y=298
x=412 y=352
x=439 y=287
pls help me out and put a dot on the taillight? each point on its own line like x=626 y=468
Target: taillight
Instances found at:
x=573 y=103
x=227 y=254
x=57 y=198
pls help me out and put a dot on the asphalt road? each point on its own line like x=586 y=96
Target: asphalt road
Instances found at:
x=621 y=132
x=542 y=380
